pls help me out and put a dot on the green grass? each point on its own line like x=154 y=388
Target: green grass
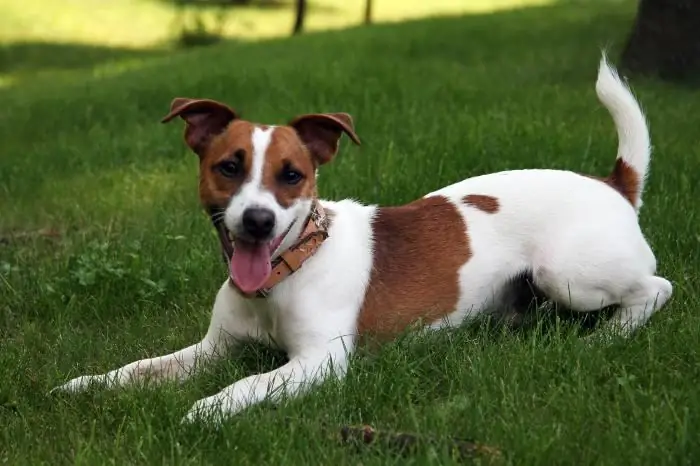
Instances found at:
x=136 y=266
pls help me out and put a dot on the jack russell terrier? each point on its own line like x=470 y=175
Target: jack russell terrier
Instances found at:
x=311 y=275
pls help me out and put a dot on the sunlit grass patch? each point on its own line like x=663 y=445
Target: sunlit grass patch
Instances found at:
x=144 y=23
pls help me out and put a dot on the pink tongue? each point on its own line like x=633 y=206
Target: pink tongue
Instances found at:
x=250 y=265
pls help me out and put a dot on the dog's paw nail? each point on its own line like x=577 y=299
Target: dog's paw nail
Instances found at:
x=75 y=385
x=192 y=416
x=188 y=419
x=62 y=389
x=207 y=411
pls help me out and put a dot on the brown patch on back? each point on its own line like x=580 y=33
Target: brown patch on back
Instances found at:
x=623 y=179
x=488 y=204
x=215 y=190
x=418 y=251
x=287 y=152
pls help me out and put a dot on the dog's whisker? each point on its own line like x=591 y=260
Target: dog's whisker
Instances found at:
x=218 y=217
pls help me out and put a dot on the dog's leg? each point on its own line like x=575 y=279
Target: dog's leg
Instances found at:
x=295 y=378
x=229 y=326
x=611 y=270
x=637 y=307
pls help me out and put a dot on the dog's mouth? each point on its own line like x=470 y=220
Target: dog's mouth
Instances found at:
x=249 y=261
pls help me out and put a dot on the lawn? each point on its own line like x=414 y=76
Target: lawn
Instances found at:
x=138 y=23
x=106 y=257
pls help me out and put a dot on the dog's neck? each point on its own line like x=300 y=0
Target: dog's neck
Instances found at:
x=301 y=241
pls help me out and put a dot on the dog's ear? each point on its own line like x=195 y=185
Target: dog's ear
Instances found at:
x=321 y=132
x=204 y=118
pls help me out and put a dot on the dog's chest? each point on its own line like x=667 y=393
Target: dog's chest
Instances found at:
x=268 y=317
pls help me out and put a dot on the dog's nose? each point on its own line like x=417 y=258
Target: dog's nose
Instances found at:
x=258 y=222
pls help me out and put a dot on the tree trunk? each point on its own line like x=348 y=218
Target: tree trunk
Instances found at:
x=368 y=11
x=665 y=40
x=301 y=13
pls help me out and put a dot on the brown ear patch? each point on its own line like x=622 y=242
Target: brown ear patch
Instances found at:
x=488 y=204
x=321 y=132
x=418 y=251
x=204 y=118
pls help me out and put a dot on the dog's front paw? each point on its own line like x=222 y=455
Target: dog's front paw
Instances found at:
x=78 y=384
x=212 y=410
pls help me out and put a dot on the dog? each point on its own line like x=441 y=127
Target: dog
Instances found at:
x=310 y=276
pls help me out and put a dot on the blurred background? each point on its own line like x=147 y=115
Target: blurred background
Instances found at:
x=36 y=35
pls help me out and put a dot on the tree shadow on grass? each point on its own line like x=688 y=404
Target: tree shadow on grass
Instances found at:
x=30 y=57
x=256 y=4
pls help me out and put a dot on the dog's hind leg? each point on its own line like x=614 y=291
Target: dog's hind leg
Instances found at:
x=229 y=325
x=637 y=307
x=591 y=268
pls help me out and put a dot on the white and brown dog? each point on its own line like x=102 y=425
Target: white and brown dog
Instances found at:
x=311 y=275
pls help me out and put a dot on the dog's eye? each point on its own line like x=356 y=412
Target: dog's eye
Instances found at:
x=290 y=176
x=228 y=168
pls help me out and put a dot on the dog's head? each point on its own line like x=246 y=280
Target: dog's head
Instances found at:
x=259 y=180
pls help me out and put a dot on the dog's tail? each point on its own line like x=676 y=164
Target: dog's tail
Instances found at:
x=633 y=151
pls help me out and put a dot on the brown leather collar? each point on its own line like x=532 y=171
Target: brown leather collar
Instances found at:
x=313 y=235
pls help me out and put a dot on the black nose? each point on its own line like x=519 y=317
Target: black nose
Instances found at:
x=258 y=222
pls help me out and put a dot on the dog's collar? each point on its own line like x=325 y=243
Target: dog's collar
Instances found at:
x=314 y=233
